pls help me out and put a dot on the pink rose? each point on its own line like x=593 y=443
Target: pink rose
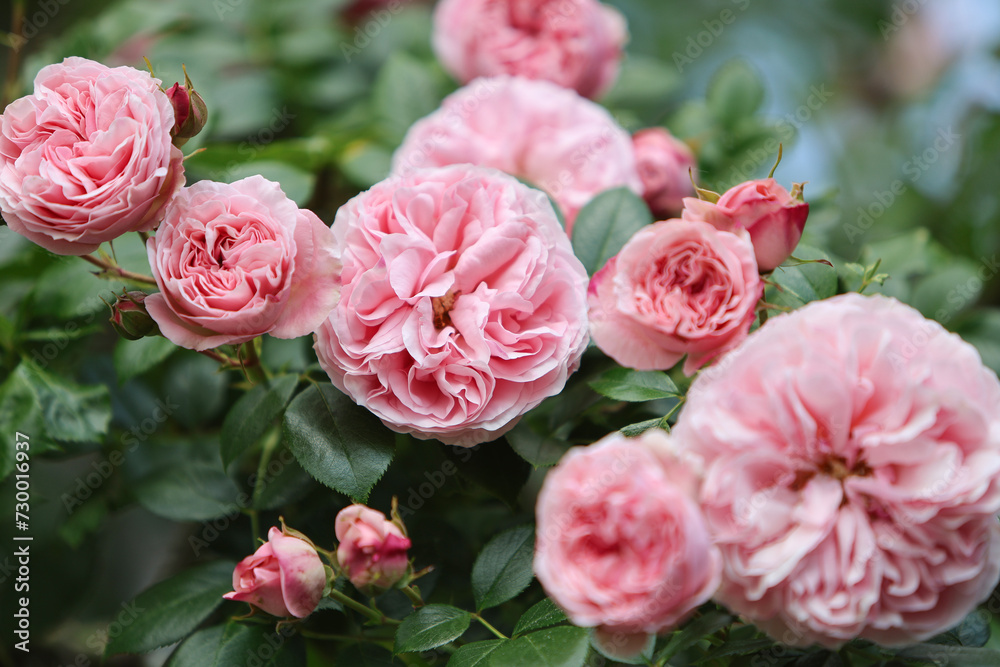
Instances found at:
x=663 y=162
x=462 y=304
x=576 y=44
x=677 y=287
x=284 y=577
x=372 y=549
x=549 y=136
x=852 y=457
x=773 y=217
x=234 y=261
x=87 y=157
x=622 y=545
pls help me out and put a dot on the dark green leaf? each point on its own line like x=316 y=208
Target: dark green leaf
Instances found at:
x=693 y=632
x=541 y=615
x=503 y=568
x=197 y=387
x=339 y=443
x=540 y=449
x=252 y=414
x=135 y=357
x=555 y=647
x=476 y=654
x=71 y=412
x=171 y=609
x=737 y=647
x=605 y=224
x=633 y=430
x=192 y=491
x=493 y=467
x=431 y=626
x=974 y=631
x=241 y=644
x=367 y=655
x=623 y=384
x=70 y=289
x=282 y=485
x=805 y=282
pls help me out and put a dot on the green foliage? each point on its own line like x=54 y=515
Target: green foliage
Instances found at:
x=623 y=384
x=238 y=644
x=554 y=647
x=604 y=225
x=503 y=568
x=430 y=627
x=252 y=414
x=541 y=615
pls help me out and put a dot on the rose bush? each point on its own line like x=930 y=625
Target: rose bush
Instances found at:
x=87 y=157
x=234 y=261
x=573 y=43
x=462 y=304
x=551 y=137
x=676 y=288
x=851 y=453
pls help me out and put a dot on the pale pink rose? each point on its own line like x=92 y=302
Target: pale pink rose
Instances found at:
x=462 y=304
x=622 y=545
x=768 y=211
x=664 y=163
x=372 y=549
x=677 y=287
x=576 y=44
x=87 y=157
x=852 y=473
x=284 y=577
x=234 y=261
x=546 y=135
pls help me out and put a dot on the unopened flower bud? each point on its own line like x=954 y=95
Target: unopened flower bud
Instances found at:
x=190 y=111
x=130 y=319
x=372 y=549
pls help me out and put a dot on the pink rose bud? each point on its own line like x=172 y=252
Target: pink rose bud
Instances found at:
x=663 y=161
x=190 y=111
x=372 y=549
x=129 y=317
x=773 y=216
x=284 y=577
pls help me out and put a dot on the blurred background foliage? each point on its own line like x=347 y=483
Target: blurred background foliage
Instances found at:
x=887 y=109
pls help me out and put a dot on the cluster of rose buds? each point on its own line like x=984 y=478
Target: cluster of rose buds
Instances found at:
x=286 y=576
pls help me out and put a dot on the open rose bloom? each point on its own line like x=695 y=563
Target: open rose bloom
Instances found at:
x=548 y=136
x=284 y=577
x=851 y=452
x=462 y=305
x=622 y=545
x=234 y=261
x=87 y=157
x=576 y=44
x=372 y=550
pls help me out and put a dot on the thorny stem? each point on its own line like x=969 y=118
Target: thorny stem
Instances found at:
x=109 y=269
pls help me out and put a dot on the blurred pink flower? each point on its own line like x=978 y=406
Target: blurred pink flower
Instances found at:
x=774 y=218
x=462 y=304
x=663 y=162
x=372 y=549
x=87 y=157
x=234 y=261
x=677 y=287
x=284 y=577
x=576 y=44
x=851 y=452
x=622 y=545
x=549 y=136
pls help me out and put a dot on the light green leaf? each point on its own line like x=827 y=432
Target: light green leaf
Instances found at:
x=605 y=224
x=623 y=384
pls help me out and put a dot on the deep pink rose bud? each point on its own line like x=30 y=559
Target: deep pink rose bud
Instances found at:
x=663 y=162
x=129 y=317
x=773 y=216
x=190 y=111
x=372 y=549
x=284 y=577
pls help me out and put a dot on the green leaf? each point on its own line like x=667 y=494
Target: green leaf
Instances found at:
x=19 y=413
x=952 y=656
x=296 y=183
x=495 y=468
x=135 y=357
x=241 y=644
x=430 y=627
x=171 y=609
x=197 y=387
x=634 y=430
x=252 y=414
x=339 y=443
x=283 y=486
x=534 y=444
x=623 y=384
x=365 y=163
x=556 y=647
x=70 y=289
x=405 y=91
x=805 y=282
x=735 y=93
x=737 y=647
x=503 y=568
x=367 y=655
x=605 y=224
x=693 y=632
x=541 y=615
x=476 y=654
x=194 y=490
x=71 y=412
